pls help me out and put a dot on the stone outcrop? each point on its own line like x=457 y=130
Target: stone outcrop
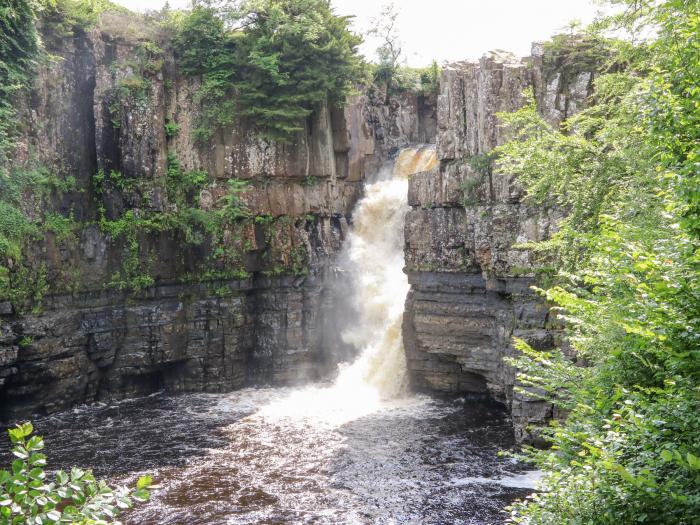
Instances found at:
x=102 y=106
x=470 y=284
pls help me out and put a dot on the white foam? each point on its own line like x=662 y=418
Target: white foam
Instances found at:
x=525 y=480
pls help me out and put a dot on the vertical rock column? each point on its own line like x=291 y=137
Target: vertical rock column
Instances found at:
x=470 y=285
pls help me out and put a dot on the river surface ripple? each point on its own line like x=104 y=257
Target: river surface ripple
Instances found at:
x=235 y=459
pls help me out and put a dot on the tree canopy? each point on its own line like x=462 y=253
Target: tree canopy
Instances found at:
x=271 y=62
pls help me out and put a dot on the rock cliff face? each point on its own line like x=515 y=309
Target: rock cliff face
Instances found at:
x=101 y=107
x=115 y=118
x=470 y=284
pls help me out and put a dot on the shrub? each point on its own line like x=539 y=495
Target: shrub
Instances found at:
x=171 y=129
x=29 y=496
x=625 y=170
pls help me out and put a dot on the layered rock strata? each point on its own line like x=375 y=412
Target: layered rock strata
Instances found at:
x=104 y=106
x=470 y=283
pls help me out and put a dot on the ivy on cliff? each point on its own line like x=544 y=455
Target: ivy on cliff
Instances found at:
x=271 y=62
x=19 y=46
x=25 y=217
x=184 y=219
x=27 y=188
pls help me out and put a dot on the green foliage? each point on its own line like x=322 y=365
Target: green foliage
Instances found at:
x=29 y=495
x=183 y=186
x=133 y=86
x=133 y=81
x=299 y=261
x=469 y=187
x=128 y=229
x=421 y=81
x=14 y=229
x=19 y=47
x=184 y=219
x=24 y=286
x=233 y=207
x=430 y=79
x=569 y=55
x=482 y=166
x=171 y=129
x=388 y=69
x=264 y=219
x=673 y=109
x=64 y=228
x=65 y=18
x=25 y=196
x=625 y=170
x=283 y=58
x=151 y=57
x=389 y=51
x=28 y=196
x=577 y=169
x=482 y=163
x=310 y=181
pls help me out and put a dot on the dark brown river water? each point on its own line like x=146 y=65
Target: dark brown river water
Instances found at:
x=240 y=458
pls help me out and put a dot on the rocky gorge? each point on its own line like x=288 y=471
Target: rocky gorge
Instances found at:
x=260 y=316
x=115 y=116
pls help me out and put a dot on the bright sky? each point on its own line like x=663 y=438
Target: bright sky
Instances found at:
x=450 y=30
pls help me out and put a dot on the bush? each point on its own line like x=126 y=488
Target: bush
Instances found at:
x=171 y=129
x=29 y=496
x=625 y=170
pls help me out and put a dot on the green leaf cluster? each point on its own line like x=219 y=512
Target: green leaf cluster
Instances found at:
x=31 y=496
x=24 y=219
x=25 y=191
x=184 y=218
x=423 y=81
x=65 y=18
x=19 y=47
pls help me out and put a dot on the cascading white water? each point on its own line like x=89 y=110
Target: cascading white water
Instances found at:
x=374 y=251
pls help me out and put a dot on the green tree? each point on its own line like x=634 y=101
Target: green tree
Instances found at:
x=389 y=51
x=626 y=171
x=270 y=62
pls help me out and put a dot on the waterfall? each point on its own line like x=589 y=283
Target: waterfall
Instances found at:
x=359 y=450
x=374 y=259
x=375 y=252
